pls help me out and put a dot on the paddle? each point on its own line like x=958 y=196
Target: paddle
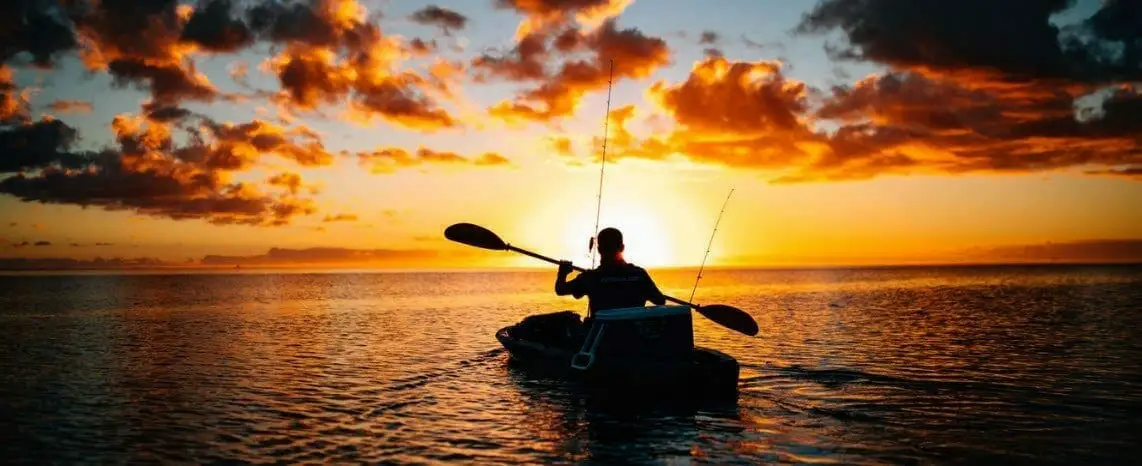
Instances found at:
x=480 y=237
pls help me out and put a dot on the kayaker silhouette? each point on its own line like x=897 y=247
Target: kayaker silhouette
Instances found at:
x=614 y=284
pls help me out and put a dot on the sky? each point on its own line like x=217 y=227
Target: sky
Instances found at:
x=353 y=131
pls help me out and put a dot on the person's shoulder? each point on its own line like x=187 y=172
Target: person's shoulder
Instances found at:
x=636 y=269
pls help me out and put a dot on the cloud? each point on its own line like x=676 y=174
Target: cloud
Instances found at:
x=525 y=62
x=339 y=218
x=443 y=18
x=42 y=243
x=389 y=160
x=709 y=38
x=313 y=75
x=1133 y=173
x=742 y=114
x=1014 y=39
x=165 y=113
x=213 y=27
x=13 y=103
x=562 y=146
x=634 y=56
x=546 y=15
x=168 y=82
x=35 y=28
x=1017 y=94
x=1098 y=251
x=39 y=144
x=327 y=255
x=290 y=181
x=70 y=106
x=148 y=173
x=491 y=159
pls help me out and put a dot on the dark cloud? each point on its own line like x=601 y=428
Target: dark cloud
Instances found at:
x=38 y=144
x=708 y=38
x=908 y=123
x=526 y=61
x=1132 y=173
x=40 y=29
x=1014 y=39
x=389 y=160
x=150 y=174
x=397 y=99
x=213 y=27
x=70 y=106
x=168 y=83
x=165 y=113
x=42 y=243
x=441 y=17
x=312 y=23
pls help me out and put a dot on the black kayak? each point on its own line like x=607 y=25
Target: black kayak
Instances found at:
x=644 y=348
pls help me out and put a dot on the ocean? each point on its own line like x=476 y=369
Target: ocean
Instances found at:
x=910 y=365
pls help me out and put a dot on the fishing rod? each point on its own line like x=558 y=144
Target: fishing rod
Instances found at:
x=603 y=165
x=710 y=244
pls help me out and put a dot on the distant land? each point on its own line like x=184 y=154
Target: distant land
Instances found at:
x=1092 y=251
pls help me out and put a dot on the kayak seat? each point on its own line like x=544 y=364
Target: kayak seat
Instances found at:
x=561 y=329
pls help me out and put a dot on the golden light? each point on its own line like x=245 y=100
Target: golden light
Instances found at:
x=646 y=237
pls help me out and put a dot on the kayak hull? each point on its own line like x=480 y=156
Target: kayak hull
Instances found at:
x=704 y=371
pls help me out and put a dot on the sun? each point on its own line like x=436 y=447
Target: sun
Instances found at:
x=646 y=238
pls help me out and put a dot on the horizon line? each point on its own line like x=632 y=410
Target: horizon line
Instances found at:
x=365 y=268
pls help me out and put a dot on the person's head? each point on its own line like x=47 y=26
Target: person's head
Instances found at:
x=610 y=243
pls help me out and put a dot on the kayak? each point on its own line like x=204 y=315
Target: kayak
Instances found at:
x=641 y=348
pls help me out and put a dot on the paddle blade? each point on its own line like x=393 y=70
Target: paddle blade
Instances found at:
x=474 y=235
x=730 y=317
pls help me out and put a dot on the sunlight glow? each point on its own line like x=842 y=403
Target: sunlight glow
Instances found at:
x=646 y=237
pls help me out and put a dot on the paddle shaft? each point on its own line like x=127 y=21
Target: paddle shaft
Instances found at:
x=580 y=269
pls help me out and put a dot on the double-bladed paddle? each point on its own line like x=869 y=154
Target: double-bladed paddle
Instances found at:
x=480 y=237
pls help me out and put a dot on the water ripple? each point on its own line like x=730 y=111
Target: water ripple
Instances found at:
x=894 y=366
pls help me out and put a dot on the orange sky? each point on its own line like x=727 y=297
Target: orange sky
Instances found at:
x=218 y=129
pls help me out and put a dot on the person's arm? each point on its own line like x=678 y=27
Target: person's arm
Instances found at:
x=652 y=293
x=562 y=286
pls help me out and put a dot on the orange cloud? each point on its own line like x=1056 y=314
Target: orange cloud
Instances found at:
x=634 y=56
x=389 y=160
x=13 y=103
x=290 y=181
x=544 y=15
x=339 y=218
x=70 y=106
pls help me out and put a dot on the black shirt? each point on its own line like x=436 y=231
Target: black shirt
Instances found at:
x=615 y=286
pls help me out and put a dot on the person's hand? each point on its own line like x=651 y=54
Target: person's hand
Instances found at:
x=564 y=268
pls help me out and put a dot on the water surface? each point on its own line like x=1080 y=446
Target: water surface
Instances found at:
x=869 y=366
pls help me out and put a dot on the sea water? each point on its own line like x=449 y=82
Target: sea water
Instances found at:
x=1003 y=364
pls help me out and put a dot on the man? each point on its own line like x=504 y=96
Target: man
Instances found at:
x=614 y=284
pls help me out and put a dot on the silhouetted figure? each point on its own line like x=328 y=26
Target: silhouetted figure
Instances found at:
x=614 y=283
